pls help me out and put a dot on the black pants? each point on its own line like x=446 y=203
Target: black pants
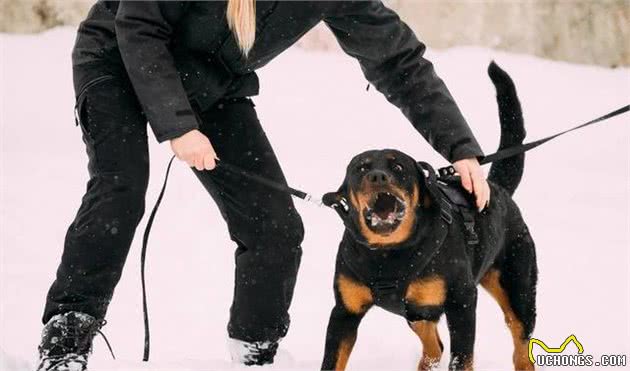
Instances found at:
x=262 y=222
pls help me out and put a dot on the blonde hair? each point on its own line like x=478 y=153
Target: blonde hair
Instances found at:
x=241 y=17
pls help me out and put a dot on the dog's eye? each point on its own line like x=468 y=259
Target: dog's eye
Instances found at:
x=398 y=168
x=364 y=166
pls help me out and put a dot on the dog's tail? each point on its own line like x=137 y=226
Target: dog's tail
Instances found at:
x=507 y=173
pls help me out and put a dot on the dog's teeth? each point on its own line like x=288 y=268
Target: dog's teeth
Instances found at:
x=374 y=221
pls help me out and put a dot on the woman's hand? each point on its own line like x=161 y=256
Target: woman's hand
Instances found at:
x=473 y=180
x=195 y=149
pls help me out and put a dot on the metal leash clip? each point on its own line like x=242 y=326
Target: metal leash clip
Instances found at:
x=310 y=198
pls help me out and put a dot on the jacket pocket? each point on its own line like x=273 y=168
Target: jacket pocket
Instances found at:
x=78 y=105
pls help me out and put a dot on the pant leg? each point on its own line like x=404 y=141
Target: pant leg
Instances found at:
x=98 y=240
x=263 y=222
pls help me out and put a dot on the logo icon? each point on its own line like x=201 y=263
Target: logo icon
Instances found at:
x=559 y=349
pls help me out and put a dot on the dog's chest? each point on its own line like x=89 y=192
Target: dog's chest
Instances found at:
x=402 y=281
x=415 y=299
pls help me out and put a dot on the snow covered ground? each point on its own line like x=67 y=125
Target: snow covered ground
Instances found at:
x=575 y=196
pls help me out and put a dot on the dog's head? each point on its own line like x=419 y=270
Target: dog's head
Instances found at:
x=382 y=192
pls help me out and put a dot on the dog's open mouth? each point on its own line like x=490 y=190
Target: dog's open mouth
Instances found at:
x=384 y=212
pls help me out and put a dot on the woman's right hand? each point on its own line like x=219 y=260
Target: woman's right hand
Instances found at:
x=195 y=149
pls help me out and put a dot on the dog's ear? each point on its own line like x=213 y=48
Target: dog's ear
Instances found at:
x=338 y=200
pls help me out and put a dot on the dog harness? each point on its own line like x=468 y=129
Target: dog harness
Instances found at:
x=388 y=272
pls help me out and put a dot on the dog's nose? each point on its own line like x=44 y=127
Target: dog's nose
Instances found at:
x=378 y=177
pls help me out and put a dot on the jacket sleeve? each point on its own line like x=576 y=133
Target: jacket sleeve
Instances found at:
x=391 y=58
x=143 y=31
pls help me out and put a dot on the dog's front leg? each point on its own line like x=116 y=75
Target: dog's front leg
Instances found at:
x=353 y=299
x=460 y=315
x=340 y=337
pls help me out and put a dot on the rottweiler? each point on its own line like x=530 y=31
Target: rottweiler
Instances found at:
x=415 y=245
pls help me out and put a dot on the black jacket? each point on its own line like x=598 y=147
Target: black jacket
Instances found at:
x=181 y=55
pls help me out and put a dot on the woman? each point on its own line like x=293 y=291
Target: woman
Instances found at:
x=188 y=69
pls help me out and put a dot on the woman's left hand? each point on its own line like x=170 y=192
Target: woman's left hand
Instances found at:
x=473 y=180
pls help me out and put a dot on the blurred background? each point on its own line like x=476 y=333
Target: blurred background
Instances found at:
x=577 y=31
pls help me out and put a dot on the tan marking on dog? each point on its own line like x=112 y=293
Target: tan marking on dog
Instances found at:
x=402 y=232
x=343 y=353
x=356 y=297
x=426 y=201
x=431 y=350
x=427 y=291
x=490 y=282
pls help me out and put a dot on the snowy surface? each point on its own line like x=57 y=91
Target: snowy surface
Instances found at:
x=575 y=197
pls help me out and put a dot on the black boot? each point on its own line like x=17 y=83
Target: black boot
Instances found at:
x=253 y=353
x=67 y=342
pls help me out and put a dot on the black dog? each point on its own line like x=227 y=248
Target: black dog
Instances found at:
x=414 y=245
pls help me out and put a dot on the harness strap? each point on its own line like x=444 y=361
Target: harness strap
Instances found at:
x=385 y=292
x=382 y=289
x=468 y=216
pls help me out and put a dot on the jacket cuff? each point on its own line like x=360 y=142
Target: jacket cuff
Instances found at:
x=465 y=151
x=174 y=133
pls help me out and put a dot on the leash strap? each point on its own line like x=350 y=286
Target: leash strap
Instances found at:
x=516 y=150
x=509 y=152
x=269 y=183
x=143 y=256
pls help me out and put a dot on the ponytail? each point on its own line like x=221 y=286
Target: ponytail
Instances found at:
x=241 y=17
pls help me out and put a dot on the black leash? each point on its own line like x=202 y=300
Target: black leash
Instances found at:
x=516 y=150
x=143 y=257
x=445 y=171
x=269 y=183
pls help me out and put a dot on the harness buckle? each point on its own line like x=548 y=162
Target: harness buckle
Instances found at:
x=471 y=236
x=344 y=204
x=445 y=214
x=447 y=171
